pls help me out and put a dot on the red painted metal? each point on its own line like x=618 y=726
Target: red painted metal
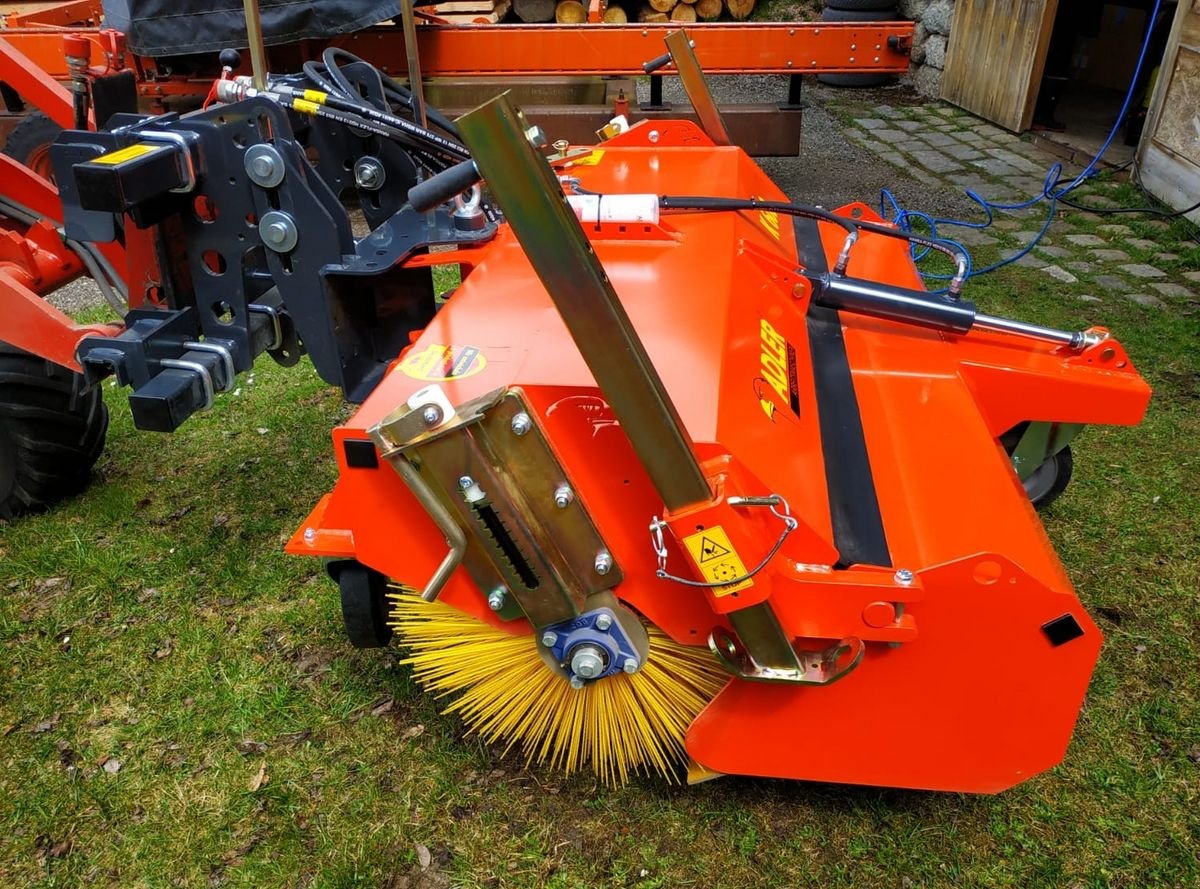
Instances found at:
x=960 y=689
x=37 y=87
x=33 y=261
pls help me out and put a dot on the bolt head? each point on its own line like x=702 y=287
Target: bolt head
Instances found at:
x=310 y=535
x=549 y=638
x=603 y=563
x=263 y=166
x=576 y=683
x=904 y=577
x=603 y=622
x=521 y=423
x=276 y=233
x=563 y=495
x=431 y=415
x=496 y=599
x=561 y=146
x=652 y=135
x=630 y=665
x=586 y=662
x=465 y=482
x=536 y=136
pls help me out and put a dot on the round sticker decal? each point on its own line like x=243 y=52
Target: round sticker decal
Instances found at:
x=437 y=363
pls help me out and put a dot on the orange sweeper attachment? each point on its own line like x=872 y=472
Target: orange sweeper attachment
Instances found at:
x=681 y=475
x=717 y=482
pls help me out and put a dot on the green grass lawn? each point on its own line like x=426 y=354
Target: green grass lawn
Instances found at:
x=178 y=706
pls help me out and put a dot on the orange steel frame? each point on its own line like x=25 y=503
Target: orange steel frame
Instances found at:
x=543 y=50
x=959 y=688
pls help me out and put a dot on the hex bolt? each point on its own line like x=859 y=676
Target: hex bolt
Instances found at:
x=603 y=563
x=276 y=233
x=369 y=174
x=496 y=598
x=309 y=535
x=536 y=136
x=549 y=638
x=432 y=415
x=904 y=577
x=652 y=135
x=587 y=661
x=521 y=423
x=631 y=665
x=563 y=495
x=576 y=683
x=561 y=145
x=263 y=166
x=603 y=622
x=465 y=482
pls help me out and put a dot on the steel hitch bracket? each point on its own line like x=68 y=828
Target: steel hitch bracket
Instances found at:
x=485 y=471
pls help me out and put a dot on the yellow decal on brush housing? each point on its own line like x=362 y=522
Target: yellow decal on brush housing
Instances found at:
x=717 y=560
x=437 y=362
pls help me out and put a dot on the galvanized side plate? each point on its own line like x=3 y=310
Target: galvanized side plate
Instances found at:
x=529 y=536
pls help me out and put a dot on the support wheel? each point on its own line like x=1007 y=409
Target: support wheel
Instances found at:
x=29 y=143
x=51 y=432
x=365 y=606
x=1050 y=479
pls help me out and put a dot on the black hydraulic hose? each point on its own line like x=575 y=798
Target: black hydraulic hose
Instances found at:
x=365 y=118
x=688 y=202
x=387 y=84
x=672 y=202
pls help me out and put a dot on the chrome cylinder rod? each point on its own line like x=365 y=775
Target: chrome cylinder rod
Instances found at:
x=1075 y=339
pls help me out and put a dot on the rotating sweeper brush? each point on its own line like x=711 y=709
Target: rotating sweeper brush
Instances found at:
x=672 y=480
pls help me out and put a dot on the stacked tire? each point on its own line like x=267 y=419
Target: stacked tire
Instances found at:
x=858 y=11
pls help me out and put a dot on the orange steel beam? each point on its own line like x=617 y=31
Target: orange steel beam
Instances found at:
x=73 y=12
x=37 y=86
x=618 y=50
x=721 y=48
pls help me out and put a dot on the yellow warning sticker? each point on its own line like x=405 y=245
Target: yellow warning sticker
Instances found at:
x=717 y=560
x=127 y=154
x=589 y=160
x=437 y=363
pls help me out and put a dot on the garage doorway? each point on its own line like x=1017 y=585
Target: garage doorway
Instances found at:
x=1060 y=67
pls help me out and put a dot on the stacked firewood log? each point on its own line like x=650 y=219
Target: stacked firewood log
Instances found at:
x=571 y=12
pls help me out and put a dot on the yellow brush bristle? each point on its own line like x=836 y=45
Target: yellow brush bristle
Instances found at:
x=504 y=692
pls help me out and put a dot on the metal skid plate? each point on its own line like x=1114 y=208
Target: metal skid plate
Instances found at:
x=490 y=464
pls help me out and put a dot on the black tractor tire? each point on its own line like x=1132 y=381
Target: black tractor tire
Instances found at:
x=51 y=432
x=29 y=143
x=1050 y=479
x=860 y=13
x=862 y=5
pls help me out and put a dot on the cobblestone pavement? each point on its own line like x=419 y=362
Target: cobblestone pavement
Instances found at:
x=1137 y=258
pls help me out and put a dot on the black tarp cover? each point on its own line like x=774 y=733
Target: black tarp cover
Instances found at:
x=180 y=27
